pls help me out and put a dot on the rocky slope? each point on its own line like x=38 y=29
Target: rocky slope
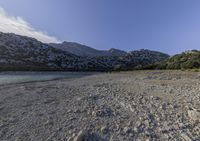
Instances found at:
x=85 y=51
x=24 y=53
x=142 y=59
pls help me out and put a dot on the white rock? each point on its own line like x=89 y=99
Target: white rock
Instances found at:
x=104 y=129
x=186 y=137
x=80 y=136
x=194 y=115
x=127 y=130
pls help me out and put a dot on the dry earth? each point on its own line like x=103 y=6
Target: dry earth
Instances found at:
x=126 y=106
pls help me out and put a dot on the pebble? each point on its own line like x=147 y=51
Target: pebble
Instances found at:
x=127 y=129
x=80 y=136
x=104 y=129
x=194 y=115
x=186 y=137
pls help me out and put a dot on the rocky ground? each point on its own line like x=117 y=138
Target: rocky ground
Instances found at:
x=126 y=106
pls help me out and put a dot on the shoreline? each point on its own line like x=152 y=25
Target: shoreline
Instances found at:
x=30 y=77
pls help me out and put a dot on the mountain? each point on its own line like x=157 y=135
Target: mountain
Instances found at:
x=116 y=52
x=142 y=59
x=185 y=60
x=25 y=53
x=85 y=51
x=135 y=60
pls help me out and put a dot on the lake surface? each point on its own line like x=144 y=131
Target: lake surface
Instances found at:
x=22 y=77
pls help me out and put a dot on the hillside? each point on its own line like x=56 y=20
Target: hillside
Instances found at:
x=86 y=51
x=185 y=60
x=142 y=59
x=24 y=53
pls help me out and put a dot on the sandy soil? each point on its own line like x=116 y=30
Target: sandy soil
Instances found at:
x=126 y=106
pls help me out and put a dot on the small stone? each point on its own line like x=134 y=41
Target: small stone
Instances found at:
x=102 y=113
x=146 y=122
x=127 y=130
x=70 y=131
x=86 y=136
x=186 y=137
x=77 y=111
x=94 y=113
x=138 y=123
x=135 y=129
x=69 y=111
x=80 y=136
x=49 y=122
x=194 y=115
x=131 y=135
x=171 y=91
x=79 y=99
x=104 y=129
x=70 y=139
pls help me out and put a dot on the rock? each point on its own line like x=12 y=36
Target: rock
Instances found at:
x=94 y=113
x=135 y=129
x=127 y=129
x=104 y=129
x=171 y=91
x=70 y=139
x=186 y=137
x=79 y=98
x=138 y=123
x=81 y=136
x=86 y=136
x=102 y=112
x=49 y=122
x=194 y=115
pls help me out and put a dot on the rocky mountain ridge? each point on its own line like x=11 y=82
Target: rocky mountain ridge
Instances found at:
x=24 y=53
x=86 y=51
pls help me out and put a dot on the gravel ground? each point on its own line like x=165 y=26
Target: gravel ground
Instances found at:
x=125 y=106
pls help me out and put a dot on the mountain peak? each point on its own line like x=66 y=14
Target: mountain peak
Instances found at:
x=117 y=52
x=83 y=50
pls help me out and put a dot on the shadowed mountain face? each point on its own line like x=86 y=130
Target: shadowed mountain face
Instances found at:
x=24 y=53
x=85 y=51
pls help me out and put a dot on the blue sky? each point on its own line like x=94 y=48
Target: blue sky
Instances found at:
x=170 y=26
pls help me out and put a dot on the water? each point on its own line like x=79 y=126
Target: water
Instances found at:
x=22 y=77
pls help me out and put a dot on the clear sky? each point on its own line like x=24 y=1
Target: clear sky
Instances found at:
x=170 y=26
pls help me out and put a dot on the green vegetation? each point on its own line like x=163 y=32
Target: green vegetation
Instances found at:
x=184 y=61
